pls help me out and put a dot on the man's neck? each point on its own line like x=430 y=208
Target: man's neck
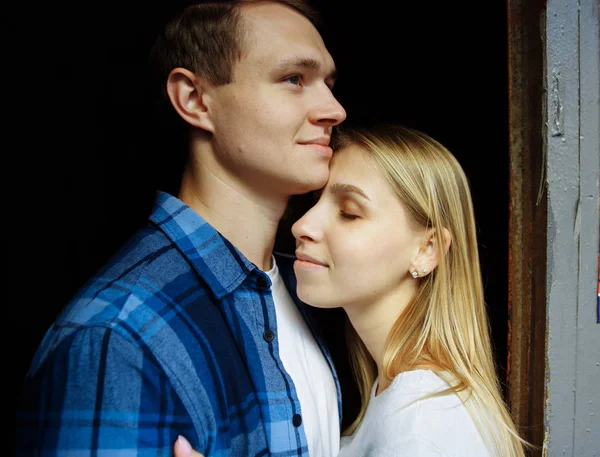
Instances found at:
x=247 y=219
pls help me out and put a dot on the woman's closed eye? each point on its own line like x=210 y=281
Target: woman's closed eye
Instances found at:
x=348 y=216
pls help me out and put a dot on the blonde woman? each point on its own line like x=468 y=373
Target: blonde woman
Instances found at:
x=392 y=240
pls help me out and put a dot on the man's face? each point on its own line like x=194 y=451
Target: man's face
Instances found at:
x=274 y=121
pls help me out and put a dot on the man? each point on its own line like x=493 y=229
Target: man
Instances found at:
x=189 y=329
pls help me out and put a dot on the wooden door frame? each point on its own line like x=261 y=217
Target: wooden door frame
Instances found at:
x=527 y=219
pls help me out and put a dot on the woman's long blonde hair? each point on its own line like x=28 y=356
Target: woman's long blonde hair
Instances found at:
x=445 y=327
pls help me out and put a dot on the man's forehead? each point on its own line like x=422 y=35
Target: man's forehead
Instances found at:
x=268 y=11
x=278 y=38
x=267 y=21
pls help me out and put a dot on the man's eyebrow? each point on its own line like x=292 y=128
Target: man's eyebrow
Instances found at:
x=340 y=188
x=306 y=63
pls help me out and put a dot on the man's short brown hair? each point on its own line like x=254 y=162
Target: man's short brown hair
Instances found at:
x=208 y=39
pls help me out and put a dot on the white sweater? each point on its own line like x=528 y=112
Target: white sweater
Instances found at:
x=434 y=427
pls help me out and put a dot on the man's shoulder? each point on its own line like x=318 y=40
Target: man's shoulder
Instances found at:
x=147 y=281
x=142 y=270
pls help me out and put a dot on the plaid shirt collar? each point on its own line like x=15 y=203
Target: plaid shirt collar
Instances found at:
x=197 y=241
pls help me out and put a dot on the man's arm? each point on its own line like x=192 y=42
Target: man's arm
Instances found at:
x=98 y=391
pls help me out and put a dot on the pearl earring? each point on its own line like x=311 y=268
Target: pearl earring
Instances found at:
x=424 y=270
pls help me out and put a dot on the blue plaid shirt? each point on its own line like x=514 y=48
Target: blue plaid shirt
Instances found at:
x=176 y=335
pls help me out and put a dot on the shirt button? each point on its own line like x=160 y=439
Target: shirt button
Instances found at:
x=262 y=281
x=268 y=336
x=297 y=420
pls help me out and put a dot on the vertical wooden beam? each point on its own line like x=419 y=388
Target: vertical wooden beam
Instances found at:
x=527 y=220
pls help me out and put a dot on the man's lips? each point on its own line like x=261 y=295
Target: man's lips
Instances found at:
x=323 y=141
x=320 y=144
x=324 y=151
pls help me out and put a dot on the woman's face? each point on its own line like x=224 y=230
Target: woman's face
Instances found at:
x=355 y=246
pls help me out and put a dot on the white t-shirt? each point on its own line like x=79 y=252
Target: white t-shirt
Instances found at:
x=304 y=361
x=434 y=427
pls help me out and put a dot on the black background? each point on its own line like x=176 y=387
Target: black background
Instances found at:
x=86 y=144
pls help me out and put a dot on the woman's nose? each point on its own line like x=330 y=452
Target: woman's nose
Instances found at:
x=307 y=227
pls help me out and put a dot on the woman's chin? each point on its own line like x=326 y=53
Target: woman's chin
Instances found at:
x=314 y=300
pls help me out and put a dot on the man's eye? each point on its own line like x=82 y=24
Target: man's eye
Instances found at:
x=347 y=216
x=294 y=79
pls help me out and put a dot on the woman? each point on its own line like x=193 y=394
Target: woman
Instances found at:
x=392 y=240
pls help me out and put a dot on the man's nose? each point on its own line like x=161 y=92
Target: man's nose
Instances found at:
x=329 y=111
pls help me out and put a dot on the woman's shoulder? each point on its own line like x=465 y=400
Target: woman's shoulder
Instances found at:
x=420 y=380
x=441 y=421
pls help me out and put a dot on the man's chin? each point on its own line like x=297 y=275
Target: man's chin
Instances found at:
x=312 y=186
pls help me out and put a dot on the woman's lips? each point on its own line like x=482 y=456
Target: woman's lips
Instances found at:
x=307 y=262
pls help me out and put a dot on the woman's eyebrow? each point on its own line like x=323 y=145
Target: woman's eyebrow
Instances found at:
x=340 y=188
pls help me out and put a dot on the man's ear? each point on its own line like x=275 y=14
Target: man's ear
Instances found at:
x=430 y=251
x=188 y=96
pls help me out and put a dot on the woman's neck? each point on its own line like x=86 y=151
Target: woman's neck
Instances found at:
x=374 y=322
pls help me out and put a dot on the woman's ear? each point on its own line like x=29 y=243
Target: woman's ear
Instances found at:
x=430 y=251
x=188 y=95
